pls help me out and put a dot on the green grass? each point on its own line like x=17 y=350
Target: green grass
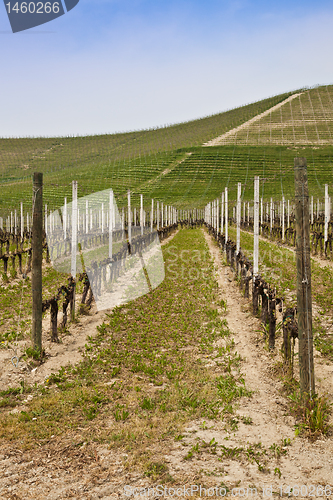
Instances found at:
x=167 y=163
x=312 y=416
x=144 y=373
x=170 y=163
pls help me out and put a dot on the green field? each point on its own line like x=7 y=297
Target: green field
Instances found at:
x=173 y=165
x=168 y=359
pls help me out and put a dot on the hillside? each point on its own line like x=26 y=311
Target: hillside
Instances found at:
x=174 y=164
x=306 y=118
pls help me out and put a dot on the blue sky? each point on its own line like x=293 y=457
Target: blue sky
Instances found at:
x=111 y=65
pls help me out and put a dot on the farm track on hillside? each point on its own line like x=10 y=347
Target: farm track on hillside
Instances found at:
x=221 y=139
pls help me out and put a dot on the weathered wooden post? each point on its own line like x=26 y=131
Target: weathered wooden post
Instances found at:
x=222 y=211
x=271 y=217
x=226 y=213
x=158 y=215
x=217 y=216
x=327 y=216
x=22 y=221
x=129 y=224
x=256 y=282
x=238 y=216
x=282 y=217
x=87 y=217
x=303 y=263
x=152 y=216
x=111 y=216
x=37 y=257
x=102 y=218
x=74 y=244
x=141 y=214
x=45 y=219
x=256 y=228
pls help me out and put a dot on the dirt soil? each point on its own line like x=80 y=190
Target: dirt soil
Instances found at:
x=68 y=351
x=63 y=470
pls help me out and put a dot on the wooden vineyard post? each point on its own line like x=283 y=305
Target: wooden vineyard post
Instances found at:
x=256 y=228
x=110 y=222
x=157 y=215
x=129 y=223
x=217 y=216
x=74 y=244
x=271 y=217
x=87 y=217
x=226 y=213
x=152 y=216
x=37 y=257
x=303 y=264
x=327 y=216
x=282 y=216
x=222 y=211
x=22 y=221
x=238 y=215
x=65 y=220
x=256 y=282
x=141 y=214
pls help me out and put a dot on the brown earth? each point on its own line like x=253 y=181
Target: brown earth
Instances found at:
x=62 y=469
x=68 y=351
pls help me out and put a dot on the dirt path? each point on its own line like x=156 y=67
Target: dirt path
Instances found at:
x=65 y=469
x=219 y=140
x=304 y=463
x=68 y=351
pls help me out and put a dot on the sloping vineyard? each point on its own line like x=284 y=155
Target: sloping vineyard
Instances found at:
x=305 y=119
x=189 y=373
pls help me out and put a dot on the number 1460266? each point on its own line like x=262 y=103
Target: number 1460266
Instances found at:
x=33 y=7
x=306 y=491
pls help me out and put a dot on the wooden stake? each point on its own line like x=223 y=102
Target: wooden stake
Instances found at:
x=222 y=212
x=37 y=257
x=141 y=214
x=226 y=213
x=271 y=216
x=282 y=215
x=110 y=222
x=256 y=228
x=152 y=216
x=327 y=210
x=238 y=215
x=22 y=220
x=74 y=243
x=303 y=263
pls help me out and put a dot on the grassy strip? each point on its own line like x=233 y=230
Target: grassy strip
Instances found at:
x=278 y=266
x=144 y=375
